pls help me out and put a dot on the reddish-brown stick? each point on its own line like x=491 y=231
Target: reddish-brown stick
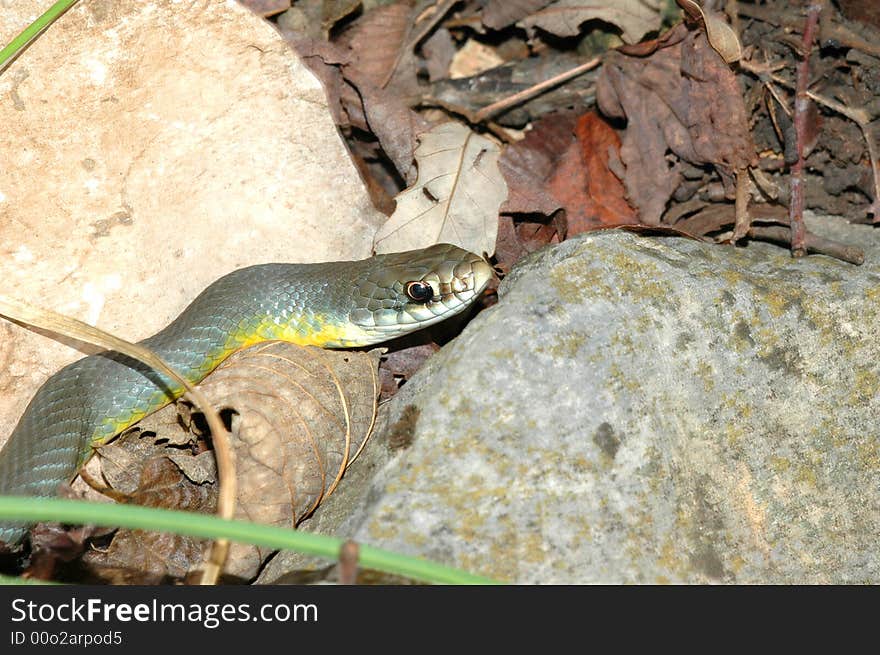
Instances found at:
x=801 y=104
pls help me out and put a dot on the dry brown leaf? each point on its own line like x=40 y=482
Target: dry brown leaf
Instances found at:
x=509 y=249
x=398 y=366
x=123 y=460
x=316 y=18
x=199 y=469
x=438 y=51
x=529 y=163
x=325 y=60
x=395 y=125
x=301 y=417
x=533 y=235
x=499 y=14
x=304 y=17
x=377 y=40
x=139 y=557
x=517 y=237
x=304 y=414
x=529 y=166
x=635 y=18
x=355 y=101
x=472 y=59
x=721 y=36
x=333 y=11
x=683 y=98
x=266 y=8
x=592 y=195
x=455 y=198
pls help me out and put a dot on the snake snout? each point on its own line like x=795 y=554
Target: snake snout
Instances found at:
x=397 y=296
x=483 y=274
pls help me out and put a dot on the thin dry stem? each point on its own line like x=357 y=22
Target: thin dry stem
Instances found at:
x=349 y=552
x=801 y=105
x=527 y=94
x=814 y=243
x=742 y=220
x=775 y=93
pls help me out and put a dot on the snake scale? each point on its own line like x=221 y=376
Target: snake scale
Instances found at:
x=330 y=304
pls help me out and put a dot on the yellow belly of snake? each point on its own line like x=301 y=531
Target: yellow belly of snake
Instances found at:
x=330 y=304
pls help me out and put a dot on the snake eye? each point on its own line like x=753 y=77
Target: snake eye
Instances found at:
x=419 y=291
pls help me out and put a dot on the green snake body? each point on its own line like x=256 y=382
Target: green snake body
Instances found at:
x=332 y=304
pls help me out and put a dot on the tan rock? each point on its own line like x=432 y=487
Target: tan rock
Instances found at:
x=147 y=148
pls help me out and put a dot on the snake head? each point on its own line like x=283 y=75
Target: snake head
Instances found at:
x=407 y=291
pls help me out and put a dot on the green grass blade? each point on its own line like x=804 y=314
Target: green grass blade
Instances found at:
x=7 y=580
x=13 y=508
x=32 y=31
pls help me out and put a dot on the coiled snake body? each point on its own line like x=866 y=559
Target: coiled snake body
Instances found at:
x=331 y=304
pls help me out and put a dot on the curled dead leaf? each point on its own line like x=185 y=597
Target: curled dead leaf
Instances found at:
x=299 y=417
x=635 y=18
x=304 y=414
x=721 y=35
x=680 y=98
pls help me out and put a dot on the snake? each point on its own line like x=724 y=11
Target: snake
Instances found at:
x=340 y=304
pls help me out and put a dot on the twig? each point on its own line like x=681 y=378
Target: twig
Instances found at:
x=527 y=94
x=862 y=118
x=228 y=489
x=801 y=105
x=349 y=553
x=742 y=219
x=766 y=72
x=497 y=130
x=782 y=234
x=775 y=93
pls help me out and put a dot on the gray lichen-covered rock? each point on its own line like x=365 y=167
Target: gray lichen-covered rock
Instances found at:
x=648 y=410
